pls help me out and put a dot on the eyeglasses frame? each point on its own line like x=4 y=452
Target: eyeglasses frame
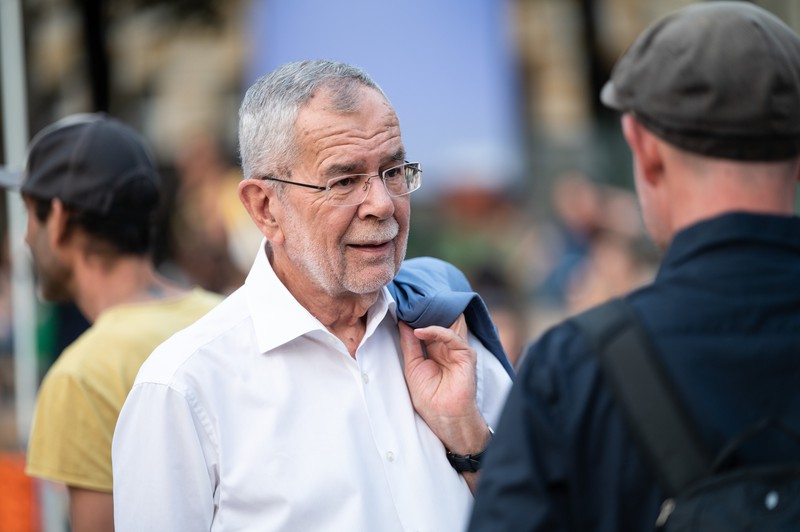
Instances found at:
x=327 y=187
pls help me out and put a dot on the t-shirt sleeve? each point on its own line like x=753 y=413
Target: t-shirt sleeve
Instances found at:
x=70 y=440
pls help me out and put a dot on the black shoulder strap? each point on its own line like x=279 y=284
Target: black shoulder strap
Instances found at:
x=656 y=416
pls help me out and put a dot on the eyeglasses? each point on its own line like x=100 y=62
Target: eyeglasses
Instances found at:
x=352 y=189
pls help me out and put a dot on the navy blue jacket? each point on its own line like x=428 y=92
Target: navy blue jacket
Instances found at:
x=724 y=315
x=431 y=291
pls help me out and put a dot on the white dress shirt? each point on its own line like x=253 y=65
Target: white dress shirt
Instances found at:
x=256 y=418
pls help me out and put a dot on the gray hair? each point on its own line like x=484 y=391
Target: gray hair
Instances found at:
x=267 y=116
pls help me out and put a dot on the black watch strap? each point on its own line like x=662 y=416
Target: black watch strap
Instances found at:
x=467 y=463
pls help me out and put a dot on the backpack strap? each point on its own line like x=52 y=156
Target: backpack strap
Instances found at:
x=655 y=415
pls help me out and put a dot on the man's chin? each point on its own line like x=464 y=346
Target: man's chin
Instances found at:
x=372 y=278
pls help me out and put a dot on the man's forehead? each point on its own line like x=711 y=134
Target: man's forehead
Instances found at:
x=347 y=101
x=373 y=116
x=345 y=163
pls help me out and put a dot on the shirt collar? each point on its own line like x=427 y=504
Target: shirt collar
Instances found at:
x=739 y=228
x=277 y=316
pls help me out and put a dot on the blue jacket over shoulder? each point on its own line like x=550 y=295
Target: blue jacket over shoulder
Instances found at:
x=431 y=291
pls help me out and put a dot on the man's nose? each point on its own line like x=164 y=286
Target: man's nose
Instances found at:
x=378 y=200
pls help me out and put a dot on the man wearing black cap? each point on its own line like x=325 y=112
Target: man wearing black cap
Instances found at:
x=91 y=190
x=710 y=102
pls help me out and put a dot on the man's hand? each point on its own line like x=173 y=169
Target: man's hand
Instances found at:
x=443 y=384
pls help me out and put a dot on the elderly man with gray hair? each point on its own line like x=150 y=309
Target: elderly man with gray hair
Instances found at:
x=303 y=402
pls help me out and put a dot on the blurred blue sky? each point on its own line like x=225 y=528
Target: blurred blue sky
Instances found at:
x=449 y=68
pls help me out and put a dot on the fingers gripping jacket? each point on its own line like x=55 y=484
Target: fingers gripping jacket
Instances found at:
x=430 y=291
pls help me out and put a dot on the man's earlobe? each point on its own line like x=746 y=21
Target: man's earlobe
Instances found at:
x=259 y=201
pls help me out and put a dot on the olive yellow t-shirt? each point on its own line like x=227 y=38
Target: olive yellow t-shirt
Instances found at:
x=83 y=391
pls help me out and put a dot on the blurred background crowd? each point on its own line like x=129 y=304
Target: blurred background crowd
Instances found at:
x=527 y=181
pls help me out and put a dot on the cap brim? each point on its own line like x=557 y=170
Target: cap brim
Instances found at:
x=608 y=95
x=10 y=179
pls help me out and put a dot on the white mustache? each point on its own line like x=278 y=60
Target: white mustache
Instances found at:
x=376 y=235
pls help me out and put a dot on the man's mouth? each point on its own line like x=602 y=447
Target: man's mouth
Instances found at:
x=375 y=239
x=371 y=245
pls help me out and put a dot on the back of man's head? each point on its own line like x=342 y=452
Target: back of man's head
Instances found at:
x=720 y=79
x=103 y=173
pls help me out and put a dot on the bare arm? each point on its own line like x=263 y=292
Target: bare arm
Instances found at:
x=91 y=510
x=443 y=385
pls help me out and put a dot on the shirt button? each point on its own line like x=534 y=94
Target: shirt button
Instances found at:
x=390 y=456
x=365 y=378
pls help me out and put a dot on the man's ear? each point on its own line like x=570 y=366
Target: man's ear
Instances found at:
x=57 y=223
x=260 y=200
x=646 y=148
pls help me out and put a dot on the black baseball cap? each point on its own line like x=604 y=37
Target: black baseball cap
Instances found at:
x=720 y=79
x=91 y=162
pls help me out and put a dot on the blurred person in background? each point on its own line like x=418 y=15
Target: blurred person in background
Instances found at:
x=301 y=402
x=594 y=249
x=615 y=265
x=578 y=217
x=91 y=189
x=710 y=97
x=620 y=257
x=212 y=235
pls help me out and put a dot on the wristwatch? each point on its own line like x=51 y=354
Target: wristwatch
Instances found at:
x=468 y=463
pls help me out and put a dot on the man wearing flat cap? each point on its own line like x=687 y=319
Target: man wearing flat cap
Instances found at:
x=710 y=103
x=91 y=190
